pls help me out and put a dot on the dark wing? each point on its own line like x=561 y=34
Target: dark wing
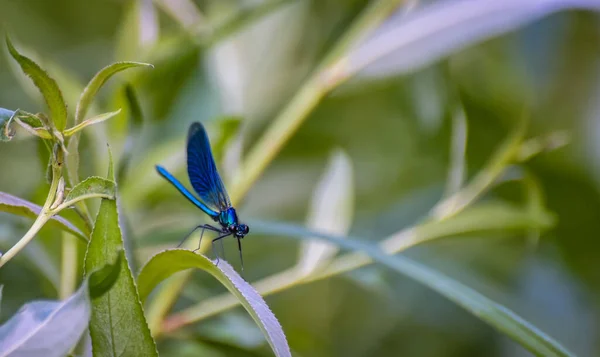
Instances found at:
x=202 y=169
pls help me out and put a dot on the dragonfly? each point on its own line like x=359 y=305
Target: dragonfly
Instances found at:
x=205 y=179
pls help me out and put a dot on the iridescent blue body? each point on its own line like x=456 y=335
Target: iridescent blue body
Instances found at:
x=207 y=183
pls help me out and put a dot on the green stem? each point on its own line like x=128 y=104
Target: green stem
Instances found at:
x=43 y=217
x=68 y=274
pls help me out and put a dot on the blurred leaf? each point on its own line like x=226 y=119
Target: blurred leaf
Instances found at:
x=496 y=315
x=97 y=82
x=5 y=131
x=118 y=322
x=46 y=85
x=97 y=119
x=413 y=40
x=169 y=262
x=228 y=129
x=135 y=121
x=138 y=30
x=504 y=156
x=331 y=211
x=135 y=108
x=53 y=328
x=18 y=206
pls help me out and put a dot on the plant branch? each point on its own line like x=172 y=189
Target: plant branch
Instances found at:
x=45 y=213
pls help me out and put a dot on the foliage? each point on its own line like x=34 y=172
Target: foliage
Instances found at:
x=441 y=120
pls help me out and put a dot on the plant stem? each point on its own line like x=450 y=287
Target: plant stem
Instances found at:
x=35 y=228
x=68 y=274
x=45 y=213
x=39 y=222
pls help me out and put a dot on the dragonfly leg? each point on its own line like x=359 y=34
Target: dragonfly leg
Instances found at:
x=216 y=239
x=241 y=257
x=204 y=227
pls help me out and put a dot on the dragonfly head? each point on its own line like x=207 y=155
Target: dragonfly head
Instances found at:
x=240 y=230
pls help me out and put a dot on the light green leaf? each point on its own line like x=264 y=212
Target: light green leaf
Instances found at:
x=21 y=207
x=46 y=85
x=118 y=325
x=93 y=120
x=494 y=314
x=91 y=187
x=169 y=262
x=53 y=328
x=330 y=211
x=97 y=82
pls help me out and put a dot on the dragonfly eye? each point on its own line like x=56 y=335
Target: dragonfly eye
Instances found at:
x=242 y=230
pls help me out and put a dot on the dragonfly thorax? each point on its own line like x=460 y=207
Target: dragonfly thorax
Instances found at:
x=229 y=221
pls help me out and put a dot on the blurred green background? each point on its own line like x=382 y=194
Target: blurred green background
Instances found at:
x=220 y=59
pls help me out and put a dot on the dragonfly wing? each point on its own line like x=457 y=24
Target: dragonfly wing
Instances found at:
x=202 y=169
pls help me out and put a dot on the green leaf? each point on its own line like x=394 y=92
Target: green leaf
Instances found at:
x=101 y=281
x=97 y=82
x=91 y=187
x=94 y=120
x=52 y=328
x=46 y=85
x=6 y=134
x=169 y=262
x=21 y=207
x=496 y=315
x=118 y=325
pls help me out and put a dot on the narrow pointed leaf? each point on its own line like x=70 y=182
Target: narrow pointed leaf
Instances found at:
x=52 y=328
x=118 y=326
x=47 y=86
x=21 y=207
x=97 y=82
x=94 y=120
x=169 y=262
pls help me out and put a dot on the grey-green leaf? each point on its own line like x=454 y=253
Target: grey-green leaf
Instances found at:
x=118 y=326
x=168 y=262
x=47 y=86
x=489 y=311
x=97 y=82
x=21 y=207
x=51 y=328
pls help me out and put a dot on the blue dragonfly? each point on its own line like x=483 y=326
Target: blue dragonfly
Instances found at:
x=214 y=200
